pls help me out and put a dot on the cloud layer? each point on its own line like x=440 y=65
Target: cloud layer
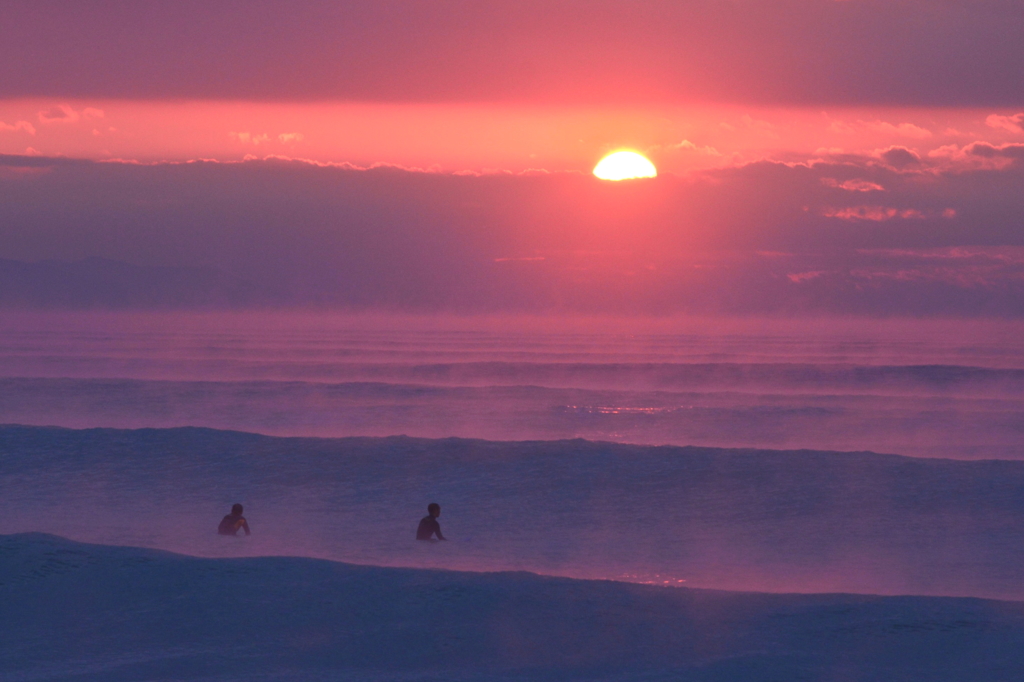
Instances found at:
x=909 y=52
x=854 y=235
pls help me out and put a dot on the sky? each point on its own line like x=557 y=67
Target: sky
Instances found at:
x=823 y=156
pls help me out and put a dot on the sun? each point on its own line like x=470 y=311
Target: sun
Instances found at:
x=625 y=166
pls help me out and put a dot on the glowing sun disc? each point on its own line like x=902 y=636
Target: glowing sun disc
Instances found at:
x=625 y=166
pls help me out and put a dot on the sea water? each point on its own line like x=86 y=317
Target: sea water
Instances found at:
x=943 y=521
x=952 y=389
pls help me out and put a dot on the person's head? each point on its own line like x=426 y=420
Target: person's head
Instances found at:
x=434 y=509
x=236 y=509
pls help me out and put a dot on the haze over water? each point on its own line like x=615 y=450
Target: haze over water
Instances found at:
x=921 y=388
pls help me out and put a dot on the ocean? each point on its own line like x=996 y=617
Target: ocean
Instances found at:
x=922 y=388
x=795 y=456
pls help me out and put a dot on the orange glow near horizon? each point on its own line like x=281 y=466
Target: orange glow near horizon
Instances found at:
x=483 y=138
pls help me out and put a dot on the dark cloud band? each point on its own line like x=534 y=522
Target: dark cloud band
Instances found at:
x=841 y=236
x=906 y=52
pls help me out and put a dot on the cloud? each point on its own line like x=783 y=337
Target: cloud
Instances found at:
x=900 y=157
x=62 y=113
x=1005 y=254
x=1010 y=123
x=18 y=125
x=290 y=137
x=903 y=129
x=979 y=156
x=750 y=122
x=979 y=274
x=689 y=146
x=874 y=213
x=797 y=277
x=883 y=213
x=850 y=53
x=250 y=138
x=947 y=151
x=853 y=185
x=22 y=172
x=990 y=151
x=729 y=240
x=765 y=128
x=837 y=126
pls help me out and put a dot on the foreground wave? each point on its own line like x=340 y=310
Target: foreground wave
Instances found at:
x=962 y=413
x=88 y=612
x=763 y=520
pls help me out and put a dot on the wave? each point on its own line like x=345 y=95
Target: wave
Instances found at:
x=746 y=519
x=75 y=611
x=959 y=426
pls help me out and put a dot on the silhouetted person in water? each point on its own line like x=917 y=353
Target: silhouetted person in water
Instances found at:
x=429 y=525
x=231 y=523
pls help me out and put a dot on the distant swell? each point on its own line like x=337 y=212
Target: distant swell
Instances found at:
x=654 y=376
x=914 y=388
